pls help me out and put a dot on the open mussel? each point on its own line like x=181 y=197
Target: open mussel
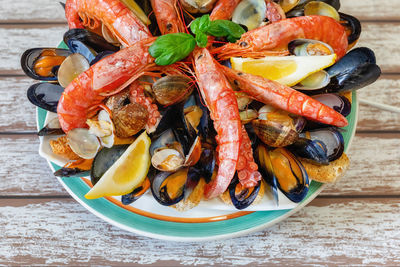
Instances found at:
x=136 y=193
x=53 y=127
x=242 y=197
x=250 y=13
x=281 y=168
x=308 y=47
x=168 y=188
x=353 y=28
x=337 y=102
x=45 y=95
x=42 y=63
x=331 y=137
x=311 y=150
x=277 y=128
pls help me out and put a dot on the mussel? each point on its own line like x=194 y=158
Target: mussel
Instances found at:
x=172 y=89
x=331 y=137
x=353 y=27
x=250 y=13
x=337 y=102
x=42 y=63
x=206 y=164
x=168 y=188
x=282 y=168
x=242 y=197
x=198 y=6
x=136 y=193
x=277 y=128
x=45 y=95
x=104 y=159
x=311 y=150
x=53 y=127
x=308 y=47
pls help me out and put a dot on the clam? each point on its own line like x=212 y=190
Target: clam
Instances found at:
x=104 y=160
x=167 y=159
x=276 y=128
x=198 y=6
x=299 y=9
x=337 y=102
x=317 y=80
x=288 y=5
x=322 y=9
x=247 y=116
x=168 y=188
x=194 y=153
x=242 y=197
x=53 y=127
x=243 y=100
x=308 y=47
x=83 y=143
x=136 y=193
x=71 y=68
x=250 y=13
x=172 y=89
x=103 y=128
x=311 y=150
x=45 y=95
x=42 y=63
x=332 y=139
x=129 y=119
x=285 y=170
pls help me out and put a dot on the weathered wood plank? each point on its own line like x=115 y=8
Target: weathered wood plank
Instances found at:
x=336 y=231
x=26 y=173
x=386 y=90
x=51 y=11
x=23 y=171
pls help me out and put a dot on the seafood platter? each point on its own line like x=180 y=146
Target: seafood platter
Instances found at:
x=193 y=113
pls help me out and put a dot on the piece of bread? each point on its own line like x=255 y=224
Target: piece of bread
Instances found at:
x=327 y=173
x=61 y=148
x=193 y=200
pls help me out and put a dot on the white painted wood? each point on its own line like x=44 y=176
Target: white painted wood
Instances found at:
x=327 y=232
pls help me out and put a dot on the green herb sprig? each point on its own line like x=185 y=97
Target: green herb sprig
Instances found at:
x=170 y=48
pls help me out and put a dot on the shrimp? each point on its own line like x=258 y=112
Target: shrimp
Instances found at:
x=118 y=18
x=224 y=9
x=274 y=37
x=283 y=97
x=246 y=167
x=83 y=96
x=167 y=15
x=221 y=102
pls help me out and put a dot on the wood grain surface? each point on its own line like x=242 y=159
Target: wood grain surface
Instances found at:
x=353 y=222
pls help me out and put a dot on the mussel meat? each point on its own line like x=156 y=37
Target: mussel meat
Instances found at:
x=250 y=13
x=198 y=6
x=308 y=47
x=168 y=188
x=42 y=63
x=312 y=150
x=71 y=68
x=242 y=197
x=45 y=95
x=172 y=89
x=104 y=159
x=136 y=193
x=284 y=169
x=332 y=139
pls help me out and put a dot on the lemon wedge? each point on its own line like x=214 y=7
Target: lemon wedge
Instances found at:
x=135 y=8
x=288 y=70
x=128 y=172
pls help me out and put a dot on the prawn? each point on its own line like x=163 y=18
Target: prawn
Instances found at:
x=224 y=9
x=221 y=101
x=273 y=38
x=117 y=17
x=83 y=96
x=283 y=97
x=167 y=15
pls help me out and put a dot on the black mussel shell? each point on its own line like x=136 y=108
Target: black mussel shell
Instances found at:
x=331 y=137
x=92 y=40
x=353 y=59
x=45 y=95
x=100 y=56
x=193 y=178
x=30 y=57
x=161 y=186
x=206 y=164
x=104 y=159
x=71 y=172
x=206 y=126
x=312 y=150
x=337 y=102
x=262 y=158
x=242 y=197
x=50 y=131
x=165 y=138
x=77 y=46
x=136 y=193
x=354 y=25
x=299 y=9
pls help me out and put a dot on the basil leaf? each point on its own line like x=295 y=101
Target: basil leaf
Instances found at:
x=170 y=48
x=200 y=25
x=225 y=28
x=201 y=39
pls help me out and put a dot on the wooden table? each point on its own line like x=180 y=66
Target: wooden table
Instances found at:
x=356 y=221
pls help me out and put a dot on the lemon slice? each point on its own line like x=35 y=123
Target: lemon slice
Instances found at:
x=288 y=70
x=128 y=172
x=135 y=8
